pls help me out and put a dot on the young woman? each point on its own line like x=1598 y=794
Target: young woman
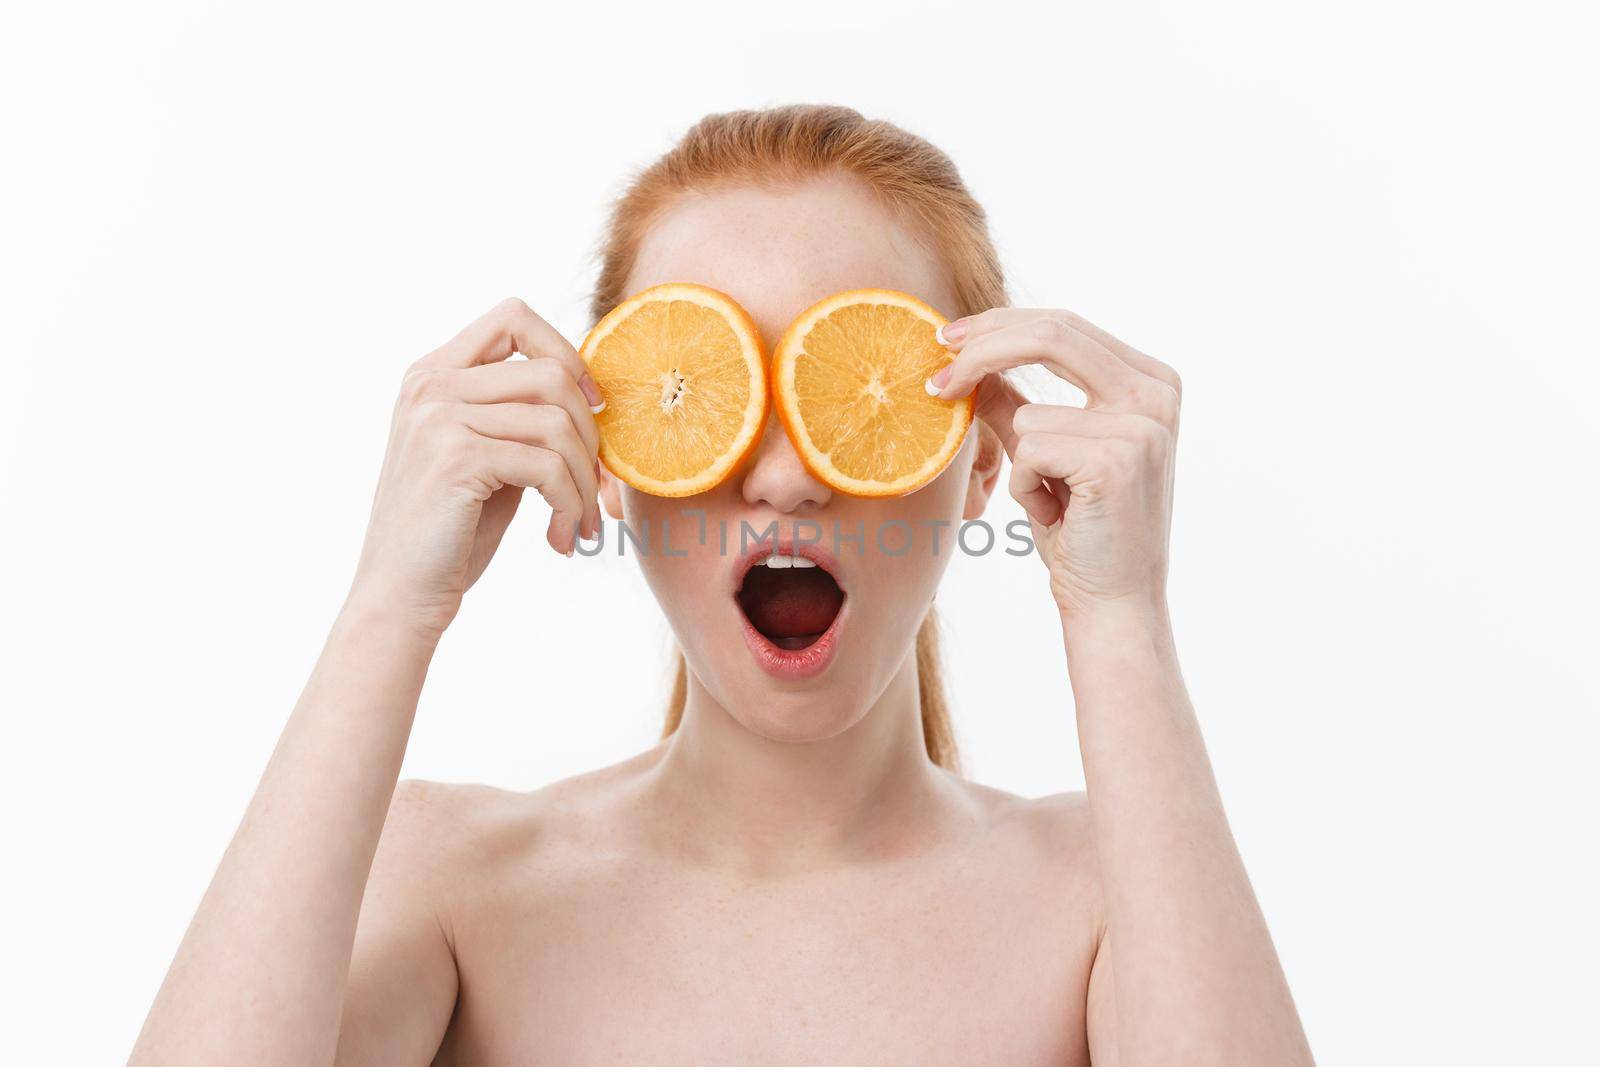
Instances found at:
x=795 y=873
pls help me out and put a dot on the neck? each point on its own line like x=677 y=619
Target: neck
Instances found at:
x=762 y=806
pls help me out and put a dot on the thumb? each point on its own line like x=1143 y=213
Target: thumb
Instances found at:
x=997 y=402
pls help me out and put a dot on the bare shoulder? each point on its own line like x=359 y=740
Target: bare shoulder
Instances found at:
x=1049 y=837
x=1056 y=814
x=448 y=834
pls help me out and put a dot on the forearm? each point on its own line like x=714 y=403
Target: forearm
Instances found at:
x=261 y=971
x=1196 y=976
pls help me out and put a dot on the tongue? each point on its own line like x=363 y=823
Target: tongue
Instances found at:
x=796 y=603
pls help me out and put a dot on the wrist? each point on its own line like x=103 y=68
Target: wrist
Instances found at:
x=1127 y=626
x=367 y=613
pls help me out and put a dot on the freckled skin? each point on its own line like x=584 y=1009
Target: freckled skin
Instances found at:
x=584 y=928
x=788 y=878
x=777 y=254
x=872 y=904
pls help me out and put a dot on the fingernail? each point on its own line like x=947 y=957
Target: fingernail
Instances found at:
x=936 y=384
x=591 y=393
x=951 y=332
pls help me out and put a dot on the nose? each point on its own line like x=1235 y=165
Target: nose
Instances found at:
x=776 y=477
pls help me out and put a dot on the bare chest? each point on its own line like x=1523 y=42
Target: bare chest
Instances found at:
x=874 y=967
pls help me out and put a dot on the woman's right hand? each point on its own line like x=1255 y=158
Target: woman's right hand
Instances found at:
x=471 y=429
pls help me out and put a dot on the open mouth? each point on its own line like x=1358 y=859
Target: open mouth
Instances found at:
x=790 y=600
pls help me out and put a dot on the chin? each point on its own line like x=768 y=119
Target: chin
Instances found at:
x=797 y=718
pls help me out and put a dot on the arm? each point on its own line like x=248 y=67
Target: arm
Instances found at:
x=263 y=973
x=401 y=992
x=1192 y=971
x=260 y=974
x=1186 y=971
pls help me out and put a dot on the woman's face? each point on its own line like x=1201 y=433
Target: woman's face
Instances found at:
x=795 y=653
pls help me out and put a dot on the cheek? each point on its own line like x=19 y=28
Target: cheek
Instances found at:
x=918 y=538
x=906 y=581
x=693 y=577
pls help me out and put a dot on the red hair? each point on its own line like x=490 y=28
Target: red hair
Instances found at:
x=782 y=145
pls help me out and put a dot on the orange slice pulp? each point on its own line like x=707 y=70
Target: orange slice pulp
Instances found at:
x=848 y=383
x=685 y=386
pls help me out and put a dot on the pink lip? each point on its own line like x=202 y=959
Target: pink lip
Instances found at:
x=799 y=663
x=794 y=664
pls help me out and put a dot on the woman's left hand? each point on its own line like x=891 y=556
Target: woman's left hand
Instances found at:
x=1096 y=481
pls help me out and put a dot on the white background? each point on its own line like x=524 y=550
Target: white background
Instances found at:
x=1365 y=233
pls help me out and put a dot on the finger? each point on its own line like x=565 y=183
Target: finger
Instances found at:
x=1035 y=495
x=1046 y=462
x=1128 y=354
x=997 y=403
x=510 y=327
x=962 y=332
x=520 y=381
x=1036 y=483
x=545 y=426
x=1081 y=422
x=1123 y=430
x=545 y=472
x=1160 y=401
x=1065 y=350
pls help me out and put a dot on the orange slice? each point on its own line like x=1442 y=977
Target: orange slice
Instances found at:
x=847 y=381
x=685 y=387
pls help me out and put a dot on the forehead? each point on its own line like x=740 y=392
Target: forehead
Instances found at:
x=777 y=251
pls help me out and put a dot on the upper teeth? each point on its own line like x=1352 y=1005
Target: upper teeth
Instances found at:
x=781 y=562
